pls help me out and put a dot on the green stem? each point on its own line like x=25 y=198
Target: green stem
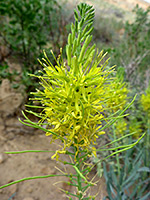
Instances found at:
x=147 y=141
x=117 y=155
x=30 y=178
x=79 y=179
x=28 y=151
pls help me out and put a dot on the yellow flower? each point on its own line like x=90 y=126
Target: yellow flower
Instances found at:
x=120 y=126
x=74 y=104
x=145 y=101
x=77 y=95
x=117 y=95
x=135 y=127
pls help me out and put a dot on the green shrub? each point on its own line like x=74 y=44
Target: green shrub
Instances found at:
x=134 y=49
x=28 y=27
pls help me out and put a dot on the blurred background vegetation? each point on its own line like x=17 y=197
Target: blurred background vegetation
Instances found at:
x=28 y=27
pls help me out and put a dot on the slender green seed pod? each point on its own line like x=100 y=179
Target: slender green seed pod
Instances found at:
x=86 y=29
x=86 y=64
x=84 y=6
x=92 y=54
x=76 y=26
x=81 y=175
x=79 y=39
x=81 y=23
x=87 y=9
x=89 y=16
x=92 y=10
x=73 y=31
x=74 y=46
x=70 y=39
x=68 y=52
x=87 y=33
x=78 y=6
x=81 y=10
x=76 y=15
x=89 y=51
x=90 y=21
x=74 y=64
x=89 y=59
x=86 y=43
x=90 y=7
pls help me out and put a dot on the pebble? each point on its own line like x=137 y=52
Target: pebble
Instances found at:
x=47 y=170
x=28 y=198
x=2 y=158
x=29 y=190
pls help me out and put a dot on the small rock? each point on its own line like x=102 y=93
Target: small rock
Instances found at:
x=2 y=128
x=4 y=52
x=29 y=190
x=47 y=170
x=1 y=191
x=28 y=198
x=2 y=158
x=9 y=100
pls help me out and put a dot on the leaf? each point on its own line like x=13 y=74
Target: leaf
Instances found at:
x=144 y=169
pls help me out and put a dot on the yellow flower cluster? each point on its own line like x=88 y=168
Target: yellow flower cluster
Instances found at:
x=75 y=103
x=118 y=95
x=120 y=126
x=135 y=127
x=145 y=101
x=78 y=95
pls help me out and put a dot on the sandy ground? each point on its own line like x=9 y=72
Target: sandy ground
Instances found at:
x=18 y=166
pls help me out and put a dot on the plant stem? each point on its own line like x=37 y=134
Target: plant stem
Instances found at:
x=147 y=141
x=117 y=156
x=79 y=179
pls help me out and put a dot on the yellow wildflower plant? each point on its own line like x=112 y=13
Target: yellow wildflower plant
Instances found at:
x=80 y=98
x=78 y=94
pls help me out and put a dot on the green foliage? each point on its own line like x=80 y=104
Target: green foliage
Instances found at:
x=5 y=73
x=133 y=180
x=134 y=49
x=138 y=32
x=29 y=26
x=105 y=30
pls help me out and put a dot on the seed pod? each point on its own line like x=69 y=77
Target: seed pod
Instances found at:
x=79 y=39
x=76 y=26
x=89 y=32
x=73 y=31
x=89 y=51
x=81 y=23
x=76 y=15
x=68 y=52
x=86 y=43
x=86 y=28
x=74 y=64
x=74 y=46
x=89 y=59
x=70 y=39
x=89 y=16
